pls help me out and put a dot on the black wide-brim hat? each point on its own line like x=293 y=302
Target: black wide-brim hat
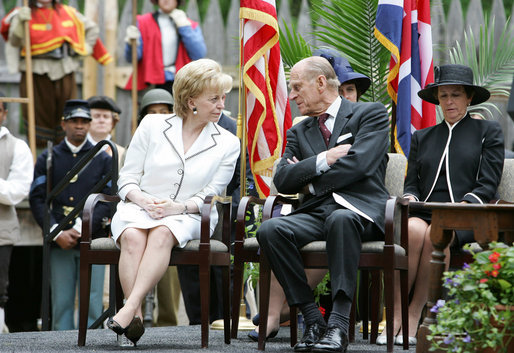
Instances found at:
x=103 y=102
x=344 y=70
x=453 y=74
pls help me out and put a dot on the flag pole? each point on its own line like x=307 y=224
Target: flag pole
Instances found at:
x=244 y=323
x=30 y=89
x=133 y=44
x=241 y=121
x=393 y=127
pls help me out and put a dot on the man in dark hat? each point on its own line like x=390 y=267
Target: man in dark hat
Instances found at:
x=104 y=117
x=64 y=254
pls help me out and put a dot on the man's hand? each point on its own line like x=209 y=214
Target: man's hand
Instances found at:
x=180 y=18
x=131 y=33
x=337 y=152
x=68 y=239
x=24 y=14
x=305 y=190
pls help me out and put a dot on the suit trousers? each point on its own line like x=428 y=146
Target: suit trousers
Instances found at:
x=64 y=279
x=281 y=238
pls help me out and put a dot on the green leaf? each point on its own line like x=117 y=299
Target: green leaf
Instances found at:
x=492 y=63
x=349 y=29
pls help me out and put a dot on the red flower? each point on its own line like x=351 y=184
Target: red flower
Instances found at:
x=497 y=266
x=322 y=311
x=483 y=280
x=487 y=273
x=494 y=273
x=494 y=256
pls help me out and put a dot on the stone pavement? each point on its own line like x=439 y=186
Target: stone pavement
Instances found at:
x=156 y=339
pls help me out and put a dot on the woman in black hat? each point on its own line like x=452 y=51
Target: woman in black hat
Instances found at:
x=457 y=160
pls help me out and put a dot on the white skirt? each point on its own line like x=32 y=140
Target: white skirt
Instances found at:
x=129 y=215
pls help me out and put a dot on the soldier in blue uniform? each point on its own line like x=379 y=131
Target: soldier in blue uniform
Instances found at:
x=64 y=254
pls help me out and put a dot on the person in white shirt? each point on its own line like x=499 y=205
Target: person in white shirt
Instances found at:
x=16 y=169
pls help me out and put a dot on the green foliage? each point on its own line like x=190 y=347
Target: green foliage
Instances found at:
x=293 y=47
x=475 y=292
x=349 y=29
x=322 y=288
x=251 y=269
x=492 y=63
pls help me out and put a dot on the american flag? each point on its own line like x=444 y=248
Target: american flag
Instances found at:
x=403 y=27
x=267 y=112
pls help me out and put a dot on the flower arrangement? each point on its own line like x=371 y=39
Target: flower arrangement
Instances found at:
x=479 y=313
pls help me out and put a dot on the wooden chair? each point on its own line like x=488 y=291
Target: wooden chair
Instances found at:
x=204 y=252
x=388 y=255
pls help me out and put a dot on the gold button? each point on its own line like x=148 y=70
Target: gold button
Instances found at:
x=71 y=198
x=74 y=155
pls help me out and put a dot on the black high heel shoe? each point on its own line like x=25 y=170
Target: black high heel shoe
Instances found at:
x=114 y=326
x=254 y=335
x=134 y=330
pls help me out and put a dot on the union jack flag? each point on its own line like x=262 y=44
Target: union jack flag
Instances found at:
x=267 y=112
x=403 y=27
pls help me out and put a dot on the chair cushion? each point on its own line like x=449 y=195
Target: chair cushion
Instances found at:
x=318 y=245
x=103 y=244
x=367 y=247
x=194 y=245
x=251 y=244
x=378 y=247
x=506 y=187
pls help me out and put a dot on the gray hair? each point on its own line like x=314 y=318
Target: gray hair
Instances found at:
x=316 y=65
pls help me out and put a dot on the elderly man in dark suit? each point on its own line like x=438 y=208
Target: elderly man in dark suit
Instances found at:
x=337 y=158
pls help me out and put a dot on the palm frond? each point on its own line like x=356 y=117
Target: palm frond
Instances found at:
x=349 y=29
x=293 y=47
x=492 y=63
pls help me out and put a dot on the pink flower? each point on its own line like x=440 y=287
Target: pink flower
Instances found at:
x=483 y=280
x=497 y=266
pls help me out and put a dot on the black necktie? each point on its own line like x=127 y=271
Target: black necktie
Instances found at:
x=324 y=130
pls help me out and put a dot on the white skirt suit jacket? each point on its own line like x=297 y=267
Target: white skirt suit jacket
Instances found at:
x=155 y=163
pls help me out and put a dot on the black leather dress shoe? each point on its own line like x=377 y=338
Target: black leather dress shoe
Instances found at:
x=333 y=340
x=311 y=335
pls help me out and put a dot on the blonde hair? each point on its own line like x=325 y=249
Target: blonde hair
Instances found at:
x=195 y=78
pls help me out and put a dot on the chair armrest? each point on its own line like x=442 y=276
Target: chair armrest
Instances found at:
x=242 y=210
x=274 y=200
x=396 y=222
x=205 y=230
x=87 y=213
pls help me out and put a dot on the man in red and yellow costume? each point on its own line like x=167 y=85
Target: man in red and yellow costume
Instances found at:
x=166 y=40
x=59 y=37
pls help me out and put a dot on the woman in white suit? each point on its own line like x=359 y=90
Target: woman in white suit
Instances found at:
x=173 y=162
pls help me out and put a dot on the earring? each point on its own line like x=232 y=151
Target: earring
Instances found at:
x=195 y=111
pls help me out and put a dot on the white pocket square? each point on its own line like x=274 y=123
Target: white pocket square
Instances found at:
x=344 y=137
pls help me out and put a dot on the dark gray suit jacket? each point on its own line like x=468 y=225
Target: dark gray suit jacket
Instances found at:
x=357 y=177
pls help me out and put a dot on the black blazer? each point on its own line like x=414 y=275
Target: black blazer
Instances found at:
x=357 y=177
x=475 y=160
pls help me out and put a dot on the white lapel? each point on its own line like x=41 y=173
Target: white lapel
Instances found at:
x=205 y=141
x=173 y=134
